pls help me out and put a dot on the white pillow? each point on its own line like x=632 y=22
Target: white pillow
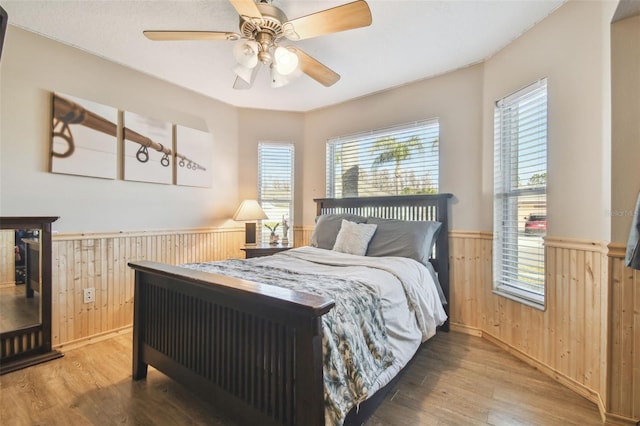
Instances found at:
x=354 y=238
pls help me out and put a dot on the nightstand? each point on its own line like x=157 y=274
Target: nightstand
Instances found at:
x=263 y=250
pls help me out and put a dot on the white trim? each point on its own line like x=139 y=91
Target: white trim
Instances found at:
x=527 y=298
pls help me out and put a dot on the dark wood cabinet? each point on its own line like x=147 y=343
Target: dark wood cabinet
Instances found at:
x=263 y=250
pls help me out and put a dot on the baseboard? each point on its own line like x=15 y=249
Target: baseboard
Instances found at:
x=465 y=329
x=615 y=420
x=78 y=343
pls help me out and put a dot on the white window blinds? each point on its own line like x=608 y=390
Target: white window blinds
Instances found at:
x=400 y=160
x=275 y=185
x=520 y=194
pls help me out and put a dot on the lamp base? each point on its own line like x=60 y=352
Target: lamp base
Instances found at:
x=250 y=234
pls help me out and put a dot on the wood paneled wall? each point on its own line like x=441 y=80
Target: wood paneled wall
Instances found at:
x=624 y=337
x=302 y=235
x=591 y=299
x=100 y=261
x=569 y=339
x=7 y=256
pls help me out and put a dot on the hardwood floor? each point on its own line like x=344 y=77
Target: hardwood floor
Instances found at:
x=16 y=310
x=458 y=379
x=455 y=380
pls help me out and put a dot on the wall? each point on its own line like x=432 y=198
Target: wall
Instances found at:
x=453 y=98
x=624 y=283
x=33 y=67
x=99 y=260
x=626 y=126
x=570 y=339
x=571 y=49
x=269 y=126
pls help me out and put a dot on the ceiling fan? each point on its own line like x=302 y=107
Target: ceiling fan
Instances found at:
x=262 y=28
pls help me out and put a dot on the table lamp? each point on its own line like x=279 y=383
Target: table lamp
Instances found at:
x=249 y=212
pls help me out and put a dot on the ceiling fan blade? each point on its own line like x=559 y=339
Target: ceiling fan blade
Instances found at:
x=190 y=35
x=246 y=9
x=340 y=18
x=241 y=84
x=314 y=69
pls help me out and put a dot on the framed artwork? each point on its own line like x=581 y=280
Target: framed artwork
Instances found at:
x=147 y=149
x=83 y=137
x=194 y=151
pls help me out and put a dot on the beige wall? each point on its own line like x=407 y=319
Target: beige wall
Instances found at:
x=453 y=98
x=625 y=45
x=571 y=49
x=32 y=67
x=256 y=126
x=579 y=129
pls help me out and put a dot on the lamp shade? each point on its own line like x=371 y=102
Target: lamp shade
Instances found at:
x=286 y=60
x=249 y=210
x=246 y=53
x=246 y=74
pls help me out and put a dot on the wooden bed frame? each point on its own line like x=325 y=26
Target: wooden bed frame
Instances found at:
x=254 y=350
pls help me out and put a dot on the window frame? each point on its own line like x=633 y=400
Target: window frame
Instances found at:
x=263 y=232
x=513 y=144
x=407 y=130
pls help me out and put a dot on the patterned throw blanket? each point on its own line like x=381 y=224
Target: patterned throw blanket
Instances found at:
x=354 y=343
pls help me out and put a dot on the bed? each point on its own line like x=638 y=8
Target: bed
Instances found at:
x=256 y=345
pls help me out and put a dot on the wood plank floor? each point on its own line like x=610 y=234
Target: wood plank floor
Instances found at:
x=455 y=380
x=16 y=310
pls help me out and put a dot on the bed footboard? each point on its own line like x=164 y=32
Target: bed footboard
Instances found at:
x=255 y=351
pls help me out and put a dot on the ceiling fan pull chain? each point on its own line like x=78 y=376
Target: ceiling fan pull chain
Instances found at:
x=143 y=154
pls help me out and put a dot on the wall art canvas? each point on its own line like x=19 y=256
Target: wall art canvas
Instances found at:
x=83 y=137
x=194 y=151
x=147 y=149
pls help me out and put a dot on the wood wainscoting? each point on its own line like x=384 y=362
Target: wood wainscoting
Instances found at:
x=624 y=336
x=7 y=256
x=568 y=340
x=586 y=306
x=302 y=235
x=100 y=261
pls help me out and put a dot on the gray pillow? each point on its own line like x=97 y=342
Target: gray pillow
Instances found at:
x=327 y=228
x=404 y=238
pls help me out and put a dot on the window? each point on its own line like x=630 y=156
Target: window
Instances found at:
x=275 y=185
x=400 y=160
x=520 y=194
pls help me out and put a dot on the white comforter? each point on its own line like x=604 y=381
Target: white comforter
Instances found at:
x=410 y=302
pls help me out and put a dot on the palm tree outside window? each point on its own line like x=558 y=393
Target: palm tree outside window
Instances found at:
x=399 y=160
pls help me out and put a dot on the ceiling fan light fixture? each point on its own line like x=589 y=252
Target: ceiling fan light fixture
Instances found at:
x=244 y=73
x=263 y=26
x=246 y=53
x=286 y=61
x=277 y=79
x=290 y=32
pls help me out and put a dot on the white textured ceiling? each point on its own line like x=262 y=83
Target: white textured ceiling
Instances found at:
x=407 y=41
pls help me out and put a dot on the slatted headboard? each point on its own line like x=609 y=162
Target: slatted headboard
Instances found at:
x=428 y=207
